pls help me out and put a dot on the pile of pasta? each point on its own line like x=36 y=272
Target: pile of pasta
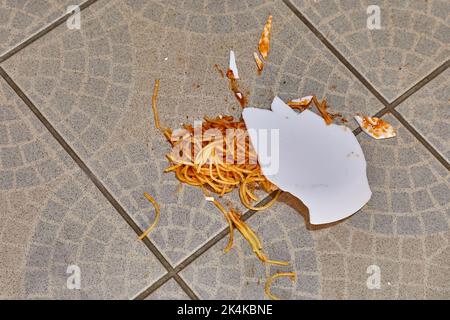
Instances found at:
x=214 y=163
x=212 y=169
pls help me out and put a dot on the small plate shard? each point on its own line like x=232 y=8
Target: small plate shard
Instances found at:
x=322 y=165
x=233 y=65
x=376 y=128
x=300 y=103
x=304 y=101
x=258 y=62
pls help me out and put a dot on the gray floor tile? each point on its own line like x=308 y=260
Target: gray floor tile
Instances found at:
x=95 y=86
x=52 y=217
x=21 y=19
x=428 y=110
x=413 y=40
x=410 y=247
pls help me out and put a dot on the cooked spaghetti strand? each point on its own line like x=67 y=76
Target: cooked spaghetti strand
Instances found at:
x=154 y=107
x=269 y=281
x=157 y=214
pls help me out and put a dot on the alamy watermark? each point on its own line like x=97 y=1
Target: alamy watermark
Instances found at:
x=74 y=20
x=374 y=280
x=74 y=279
x=374 y=17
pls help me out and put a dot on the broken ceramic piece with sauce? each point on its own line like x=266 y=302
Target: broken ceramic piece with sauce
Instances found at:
x=233 y=65
x=233 y=76
x=376 y=128
x=322 y=165
x=258 y=62
x=300 y=103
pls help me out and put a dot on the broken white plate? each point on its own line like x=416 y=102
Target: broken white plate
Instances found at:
x=233 y=66
x=376 y=128
x=322 y=165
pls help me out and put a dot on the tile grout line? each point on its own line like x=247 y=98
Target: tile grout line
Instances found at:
x=162 y=281
x=87 y=171
x=420 y=138
x=154 y=286
x=8 y=54
x=414 y=89
x=420 y=84
x=186 y=288
x=336 y=53
x=182 y=265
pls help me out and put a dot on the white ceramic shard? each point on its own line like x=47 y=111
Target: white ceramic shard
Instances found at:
x=376 y=127
x=322 y=165
x=233 y=66
x=305 y=100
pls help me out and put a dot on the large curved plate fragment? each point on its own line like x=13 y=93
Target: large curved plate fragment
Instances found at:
x=322 y=165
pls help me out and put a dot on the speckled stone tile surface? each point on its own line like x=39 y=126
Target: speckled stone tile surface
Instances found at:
x=20 y=19
x=52 y=217
x=413 y=38
x=429 y=112
x=94 y=86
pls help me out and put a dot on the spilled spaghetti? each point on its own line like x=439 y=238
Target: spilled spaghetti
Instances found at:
x=208 y=157
x=218 y=165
